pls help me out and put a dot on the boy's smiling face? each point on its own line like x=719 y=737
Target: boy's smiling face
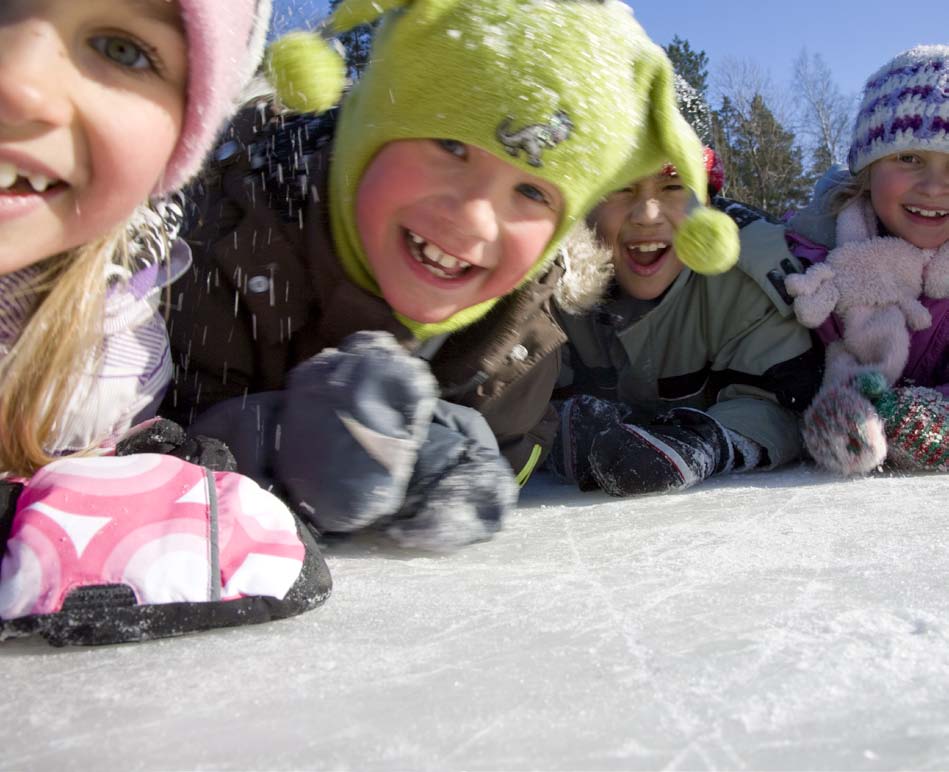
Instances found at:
x=446 y=226
x=639 y=224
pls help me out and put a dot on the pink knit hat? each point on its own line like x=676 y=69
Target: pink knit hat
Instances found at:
x=225 y=45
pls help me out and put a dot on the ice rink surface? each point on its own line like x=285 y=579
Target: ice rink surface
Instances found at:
x=774 y=621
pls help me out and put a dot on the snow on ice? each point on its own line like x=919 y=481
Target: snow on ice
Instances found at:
x=783 y=620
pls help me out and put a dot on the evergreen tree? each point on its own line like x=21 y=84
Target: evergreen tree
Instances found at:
x=763 y=166
x=689 y=64
x=357 y=44
x=694 y=109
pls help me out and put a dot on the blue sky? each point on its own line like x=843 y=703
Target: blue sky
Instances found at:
x=854 y=37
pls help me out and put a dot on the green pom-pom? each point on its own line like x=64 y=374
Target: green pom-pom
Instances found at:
x=307 y=73
x=872 y=385
x=707 y=242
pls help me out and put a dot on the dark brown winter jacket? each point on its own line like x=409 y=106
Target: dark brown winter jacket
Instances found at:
x=267 y=291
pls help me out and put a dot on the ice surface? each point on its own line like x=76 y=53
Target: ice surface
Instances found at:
x=780 y=620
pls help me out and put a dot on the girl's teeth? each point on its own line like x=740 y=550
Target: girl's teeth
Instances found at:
x=928 y=212
x=416 y=238
x=39 y=182
x=8 y=175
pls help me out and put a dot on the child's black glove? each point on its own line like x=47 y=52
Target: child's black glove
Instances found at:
x=680 y=449
x=581 y=419
x=168 y=438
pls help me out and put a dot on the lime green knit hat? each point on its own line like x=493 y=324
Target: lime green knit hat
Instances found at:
x=572 y=91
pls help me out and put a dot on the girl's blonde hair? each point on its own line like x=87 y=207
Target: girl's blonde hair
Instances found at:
x=61 y=341
x=846 y=191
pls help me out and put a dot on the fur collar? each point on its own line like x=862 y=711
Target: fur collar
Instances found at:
x=588 y=271
x=856 y=222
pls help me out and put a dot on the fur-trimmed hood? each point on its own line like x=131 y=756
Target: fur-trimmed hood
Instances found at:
x=817 y=221
x=588 y=271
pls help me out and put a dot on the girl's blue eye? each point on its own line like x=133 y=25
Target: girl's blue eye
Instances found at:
x=533 y=193
x=453 y=146
x=122 y=51
x=908 y=158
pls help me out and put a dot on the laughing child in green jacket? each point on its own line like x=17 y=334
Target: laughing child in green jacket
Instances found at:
x=674 y=376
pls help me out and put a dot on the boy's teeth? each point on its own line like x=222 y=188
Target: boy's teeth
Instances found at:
x=652 y=246
x=434 y=259
x=928 y=212
x=434 y=254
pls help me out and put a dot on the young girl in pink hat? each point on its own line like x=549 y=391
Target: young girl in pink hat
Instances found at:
x=106 y=108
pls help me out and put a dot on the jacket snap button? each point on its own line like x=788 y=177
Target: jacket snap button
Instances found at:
x=258 y=284
x=226 y=151
x=519 y=353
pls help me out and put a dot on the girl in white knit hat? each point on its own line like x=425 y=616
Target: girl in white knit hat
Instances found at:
x=106 y=107
x=880 y=297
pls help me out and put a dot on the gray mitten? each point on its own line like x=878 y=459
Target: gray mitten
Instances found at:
x=352 y=422
x=461 y=489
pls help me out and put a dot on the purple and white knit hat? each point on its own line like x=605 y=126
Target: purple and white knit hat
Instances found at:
x=905 y=107
x=225 y=45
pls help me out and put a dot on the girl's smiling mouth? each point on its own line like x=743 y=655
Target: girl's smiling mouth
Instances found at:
x=24 y=178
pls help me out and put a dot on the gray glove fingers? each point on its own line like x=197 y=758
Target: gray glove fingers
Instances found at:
x=461 y=489
x=353 y=421
x=466 y=421
x=370 y=378
x=465 y=502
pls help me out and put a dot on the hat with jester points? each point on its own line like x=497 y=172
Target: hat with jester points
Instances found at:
x=572 y=91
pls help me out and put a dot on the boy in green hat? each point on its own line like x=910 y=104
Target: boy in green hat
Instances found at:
x=380 y=287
